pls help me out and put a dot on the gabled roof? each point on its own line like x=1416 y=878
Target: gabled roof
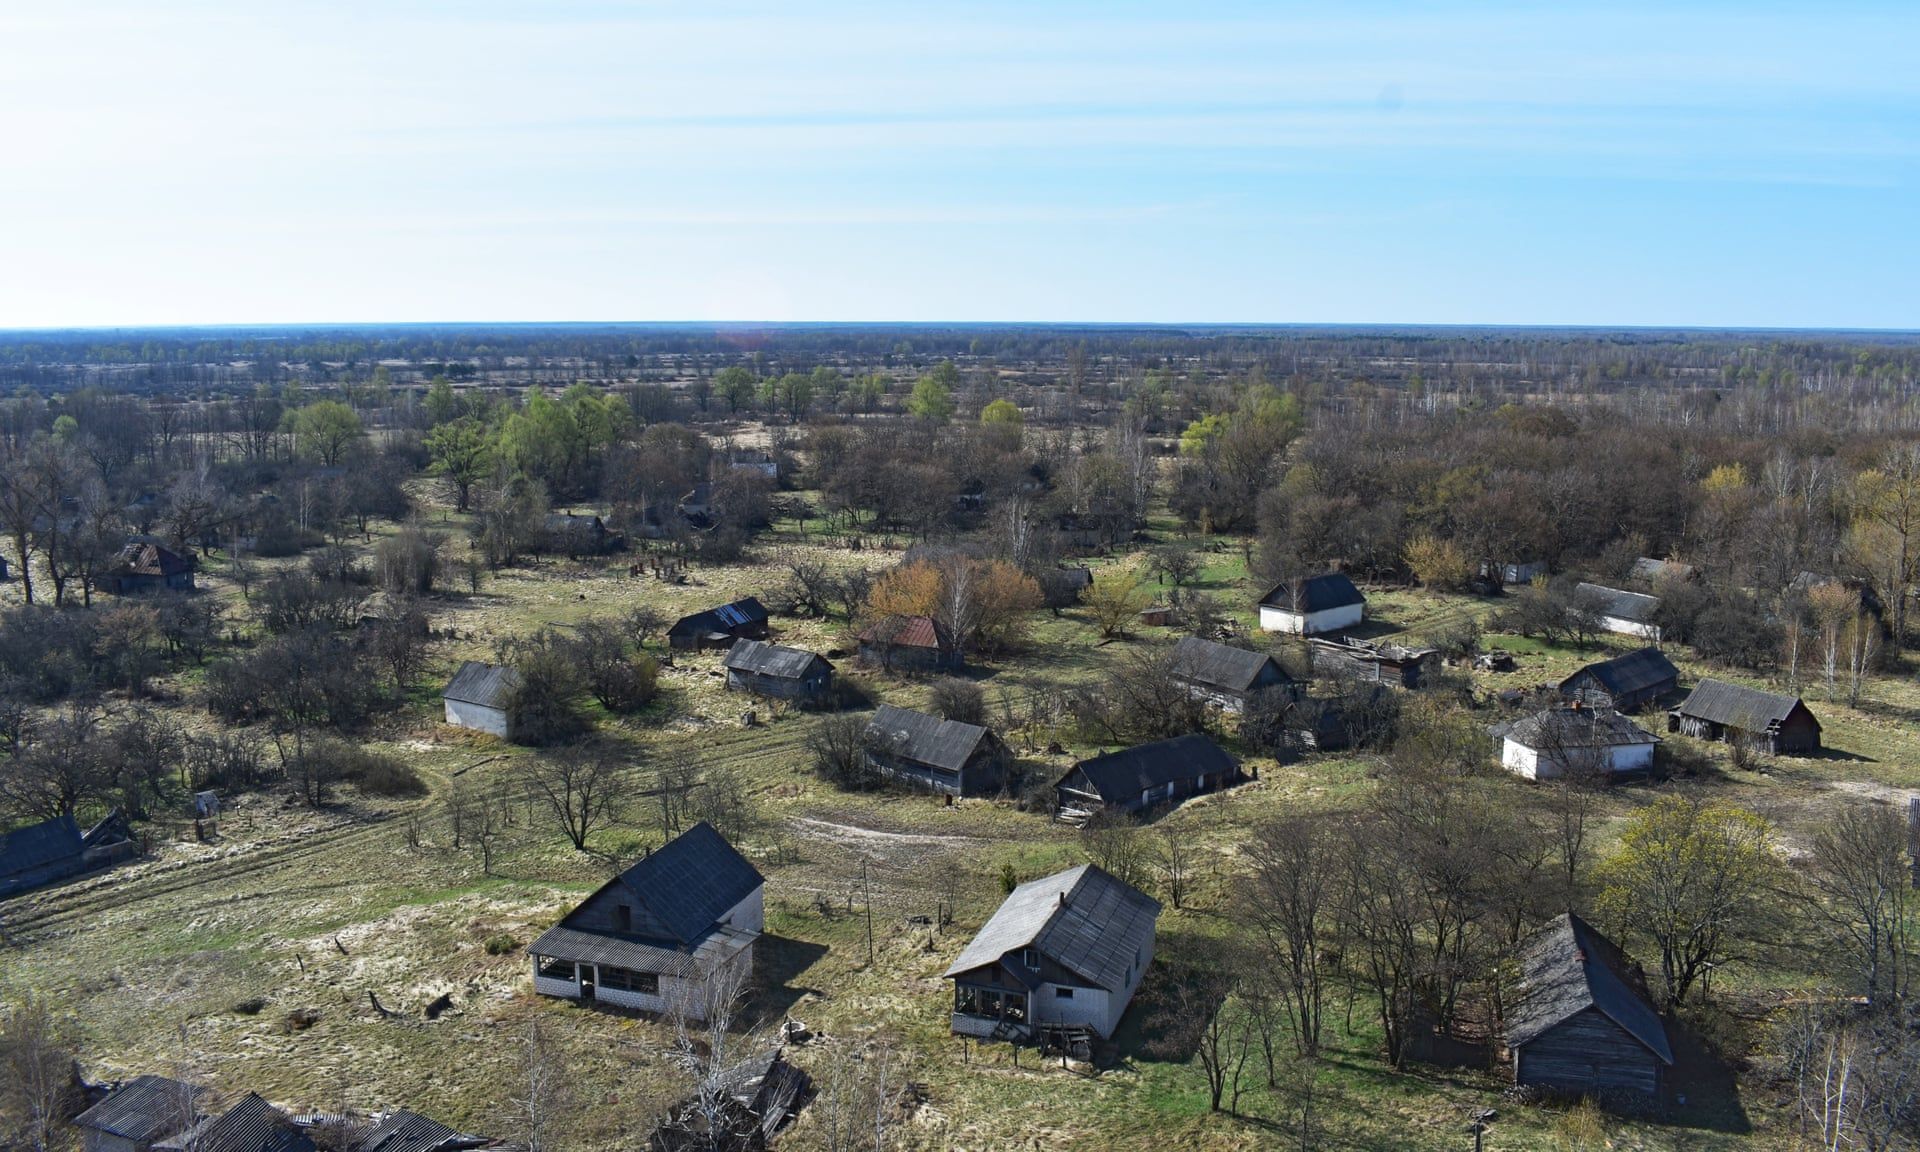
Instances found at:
x=1567 y=968
x=1634 y=672
x=1316 y=594
x=924 y=739
x=1649 y=569
x=147 y=558
x=405 y=1131
x=1736 y=706
x=1083 y=919
x=1618 y=603
x=37 y=845
x=1219 y=665
x=253 y=1125
x=686 y=886
x=778 y=661
x=690 y=959
x=725 y=618
x=1578 y=728
x=1125 y=774
x=909 y=632
x=144 y=1109
x=484 y=685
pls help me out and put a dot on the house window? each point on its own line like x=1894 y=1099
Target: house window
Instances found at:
x=627 y=980
x=623 y=918
x=557 y=969
x=1060 y=993
x=1030 y=958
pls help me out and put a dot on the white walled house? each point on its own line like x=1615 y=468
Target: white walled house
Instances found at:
x=1066 y=952
x=478 y=697
x=1621 y=612
x=1548 y=745
x=1312 y=605
x=673 y=934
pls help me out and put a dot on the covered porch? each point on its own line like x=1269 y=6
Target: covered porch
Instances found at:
x=992 y=1013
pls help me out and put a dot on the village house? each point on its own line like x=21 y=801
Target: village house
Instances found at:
x=1770 y=721
x=576 y=536
x=673 y=934
x=40 y=854
x=1649 y=571
x=1143 y=777
x=1625 y=613
x=925 y=751
x=1224 y=675
x=754 y=461
x=910 y=643
x=1624 y=682
x=252 y=1125
x=147 y=566
x=1582 y=1023
x=774 y=670
x=1312 y=604
x=134 y=1115
x=1345 y=658
x=480 y=696
x=720 y=627
x=1576 y=741
x=1062 y=954
x=1508 y=574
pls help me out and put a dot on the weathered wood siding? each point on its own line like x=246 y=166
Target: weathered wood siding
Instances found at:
x=811 y=687
x=1587 y=1053
x=984 y=772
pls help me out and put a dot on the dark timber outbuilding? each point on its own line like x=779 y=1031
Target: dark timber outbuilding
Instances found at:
x=1143 y=777
x=928 y=752
x=1223 y=674
x=720 y=627
x=774 y=670
x=1624 y=682
x=1717 y=710
x=1582 y=1022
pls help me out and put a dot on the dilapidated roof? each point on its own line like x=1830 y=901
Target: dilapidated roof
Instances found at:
x=482 y=685
x=1626 y=675
x=252 y=1125
x=149 y=558
x=404 y=1131
x=924 y=739
x=1567 y=968
x=143 y=1109
x=1619 y=603
x=1122 y=775
x=1313 y=594
x=1220 y=665
x=1737 y=706
x=909 y=632
x=1084 y=919
x=777 y=661
x=1650 y=569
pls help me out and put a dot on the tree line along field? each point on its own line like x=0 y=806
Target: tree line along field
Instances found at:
x=294 y=952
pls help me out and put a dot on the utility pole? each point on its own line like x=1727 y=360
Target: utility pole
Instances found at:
x=866 y=894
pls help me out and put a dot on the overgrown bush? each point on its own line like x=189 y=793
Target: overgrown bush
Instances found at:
x=962 y=700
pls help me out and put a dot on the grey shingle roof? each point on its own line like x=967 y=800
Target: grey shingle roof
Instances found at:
x=689 y=884
x=1634 y=672
x=143 y=1109
x=1568 y=967
x=1131 y=771
x=774 y=660
x=1578 y=728
x=37 y=845
x=485 y=685
x=1616 y=602
x=1736 y=706
x=1317 y=594
x=1218 y=665
x=1083 y=919
x=924 y=739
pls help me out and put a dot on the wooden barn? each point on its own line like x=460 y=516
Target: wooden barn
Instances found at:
x=672 y=934
x=774 y=670
x=1144 y=777
x=480 y=697
x=1578 y=741
x=941 y=755
x=910 y=643
x=1313 y=604
x=574 y=536
x=147 y=566
x=1062 y=955
x=1621 y=612
x=1344 y=658
x=1624 y=682
x=138 y=1113
x=1582 y=1022
x=720 y=627
x=55 y=849
x=1775 y=723
x=1224 y=675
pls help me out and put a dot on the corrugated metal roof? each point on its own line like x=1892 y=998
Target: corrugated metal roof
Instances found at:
x=762 y=658
x=485 y=685
x=1736 y=706
x=146 y=558
x=1219 y=665
x=253 y=1125
x=725 y=618
x=144 y=1109
x=1622 y=604
x=1316 y=594
x=924 y=739
x=1568 y=967
x=404 y=1131
x=1125 y=774
x=1578 y=728
x=37 y=845
x=1634 y=672
x=700 y=955
x=1083 y=919
x=909 y=632
x=689 y=884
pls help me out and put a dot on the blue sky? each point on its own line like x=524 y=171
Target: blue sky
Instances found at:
x=260 y=161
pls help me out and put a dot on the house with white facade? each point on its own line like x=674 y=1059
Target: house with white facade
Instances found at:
x=1312 y=604
x=479 y=697
x=1578 y=740
x=673 y=934
x=1620 y=611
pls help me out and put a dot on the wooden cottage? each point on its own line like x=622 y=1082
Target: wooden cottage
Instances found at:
x=138 y=1113
x=1625 y=613
x=575 y=536
x=480 y=696
x=910 y=643
x=1144 y=777
x=252 y=1125
x=147 y=566
x=1577 y=741
x=672 y=934
x=720 y=627
x=1345 y=658
x=1624 y=682
x=52 y=850
x=941 y=755
x=1062 y=955
x=1224 y=675
x=1582 y=1022
x=1775 y=723
x=1309 y=605
x=774 y=670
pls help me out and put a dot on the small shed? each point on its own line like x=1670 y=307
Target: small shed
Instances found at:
x=924 y=751
x=1622 y=612
x=912 y=643
x=1775 y=722
x=206 y=805
x=139 y=1112
x=1313 y=604
x=1143 y=777
x=719 y=627
x=147 y=566
x=1576 y=741
x=1224 y=675
x=1624 y=682
x=775 y=670
x=480 y=697
x=1582 y=1022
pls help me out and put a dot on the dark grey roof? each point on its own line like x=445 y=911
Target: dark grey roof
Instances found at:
x=144 y=1109
x=1735 y=706
x=1078 y=577
x=701 y=954
x=774 y=660
x=725 y=618
x=1567 y=968
x=486 y=685
x=1219 y=665
x=1083 y=919
x=253 y=1125
x=924 y=739
x=691 y=882
x=1649 y=569
x=1622 y=604
x=1127 y=773
x=405 y=1131
x=1316 y=594
x=1634 y=672
x=1578 y=728
x=37 y=845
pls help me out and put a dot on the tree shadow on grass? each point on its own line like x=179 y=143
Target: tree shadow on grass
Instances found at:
x=778 y=961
